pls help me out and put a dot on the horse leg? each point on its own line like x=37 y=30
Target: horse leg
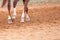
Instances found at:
x=3 y=2
x=26 y=10
x=27 y=16
x=14 y=6
x=9 y=15
x=22 y=17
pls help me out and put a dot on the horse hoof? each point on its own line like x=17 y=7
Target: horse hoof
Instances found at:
x=9 y=21
x=14 y=17
x=22 y=19
x=27 y=19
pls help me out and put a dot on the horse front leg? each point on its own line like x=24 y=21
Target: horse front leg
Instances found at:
x=9 y=15
x=25 y=10
x=22 y=17
x=3 y=2
x=27 y=16
x=14 y=6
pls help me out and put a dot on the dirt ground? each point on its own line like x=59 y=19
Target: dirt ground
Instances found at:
x=44 y=24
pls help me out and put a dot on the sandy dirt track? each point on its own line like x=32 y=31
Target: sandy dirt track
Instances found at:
x=44 y=24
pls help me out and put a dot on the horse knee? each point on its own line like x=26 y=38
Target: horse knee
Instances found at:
x=26 y=9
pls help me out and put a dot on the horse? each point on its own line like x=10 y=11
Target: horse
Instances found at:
x=25 y=10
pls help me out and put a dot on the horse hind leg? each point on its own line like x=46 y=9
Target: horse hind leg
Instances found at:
x=25 y=10
x=9 y=15
x=14 y=14
x=27 y=16
x=14 y=6
x=22 y=17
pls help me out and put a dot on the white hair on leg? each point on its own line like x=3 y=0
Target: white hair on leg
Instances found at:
x=14 y=14
x=22 y=17
x=27 y=17
x=9 y=19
